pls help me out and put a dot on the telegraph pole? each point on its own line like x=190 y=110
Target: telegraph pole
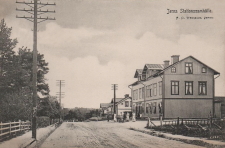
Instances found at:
x=114 y=87
x=34 y=11
x=60 y=83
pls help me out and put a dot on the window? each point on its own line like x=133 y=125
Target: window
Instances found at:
x=160 y=107
x=174 y=87
x=139 y=78
x=130 y=104
x=149 y=72
x=139 y=93
x=150 y=108
x=147 y=108
x=126 y=103
x=204 y=70
x=160 y=88
x=154 y=108
x=202 y=88
x=150 y=90
x=136 y=94
x=188 y=68
x=143 y=77
x=188 y=88
x=143 y=92
x=173 y=70
x=142 y=108
x=155 y=89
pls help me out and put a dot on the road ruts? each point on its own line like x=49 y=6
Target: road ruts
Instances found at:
x=104 y=134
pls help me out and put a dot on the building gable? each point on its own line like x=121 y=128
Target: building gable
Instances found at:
x=198 y=67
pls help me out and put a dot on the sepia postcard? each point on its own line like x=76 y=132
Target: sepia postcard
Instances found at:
x=112 y=73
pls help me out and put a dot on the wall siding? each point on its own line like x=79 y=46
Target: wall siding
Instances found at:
x=187 y=108
x=195 y=77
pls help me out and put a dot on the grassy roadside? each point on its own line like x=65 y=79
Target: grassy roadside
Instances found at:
x=171 y=137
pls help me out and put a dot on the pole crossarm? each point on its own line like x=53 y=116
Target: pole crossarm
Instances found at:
x=32 y=18
x=40 y=3
x=39 y=11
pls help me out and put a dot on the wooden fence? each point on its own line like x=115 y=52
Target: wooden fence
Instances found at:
x=12 y=128
x=187 y=121
x=212 y=128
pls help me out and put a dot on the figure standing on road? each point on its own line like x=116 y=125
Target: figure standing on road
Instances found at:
x=133 y=117
x=127 y=118
x=124 y=117
x=108 y=117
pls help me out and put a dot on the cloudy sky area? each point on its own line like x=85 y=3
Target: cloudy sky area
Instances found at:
x=96 y=43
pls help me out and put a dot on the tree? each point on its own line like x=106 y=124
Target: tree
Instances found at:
x=49 y=107
x=16 y=78
x=25 y=58
x=6 y=56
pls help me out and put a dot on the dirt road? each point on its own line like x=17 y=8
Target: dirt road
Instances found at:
x=106 y=135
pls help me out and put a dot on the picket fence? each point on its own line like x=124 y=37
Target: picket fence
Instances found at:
x=12 y=128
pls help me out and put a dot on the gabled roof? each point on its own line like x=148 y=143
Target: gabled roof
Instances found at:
x=138 y=72
x=153 y=67
x=117 y=100
x=137 y=82
x=215 y=72
x=104 y=105
x=124 y=99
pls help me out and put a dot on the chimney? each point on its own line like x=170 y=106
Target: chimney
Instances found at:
x=175 y=59
x=127 y=95
x=166 y=63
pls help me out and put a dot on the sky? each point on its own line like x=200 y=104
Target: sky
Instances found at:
x=93 y=44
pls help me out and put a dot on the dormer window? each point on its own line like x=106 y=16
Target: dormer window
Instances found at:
x=173 y=70
x=139 y=78
x=204 y=70
x=143 y=77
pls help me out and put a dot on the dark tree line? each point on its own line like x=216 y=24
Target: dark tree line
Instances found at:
x=16 y=81
x=81 y=114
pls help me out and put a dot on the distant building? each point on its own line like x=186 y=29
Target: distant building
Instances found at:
x=105 y=108
x=185 y=88
x=123 y=105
